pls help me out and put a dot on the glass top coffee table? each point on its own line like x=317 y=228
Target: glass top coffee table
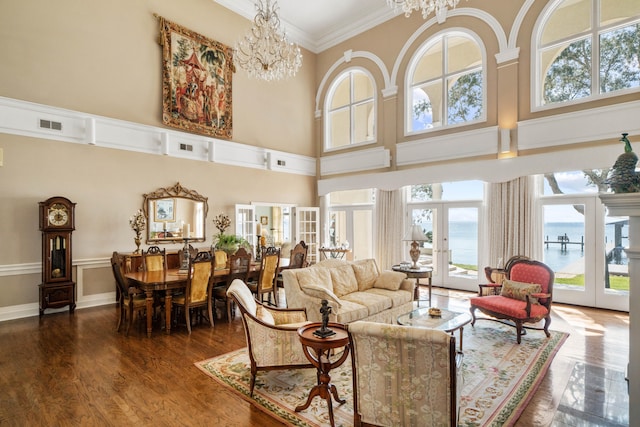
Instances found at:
x=448 y=321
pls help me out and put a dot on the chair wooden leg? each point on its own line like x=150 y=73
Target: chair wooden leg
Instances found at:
x=473 y=315
x=130 y=320
x=547 y=322
x=519 y=331
x=210 y=310
x=187 y=317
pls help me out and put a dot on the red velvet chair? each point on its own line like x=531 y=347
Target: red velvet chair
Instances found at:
x=525 y=297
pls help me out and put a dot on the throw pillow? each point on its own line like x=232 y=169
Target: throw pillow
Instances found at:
x=390 y=280
x=322 y=293
x=366 y=272
x=518 y=290
x=264 y=315
x=343 y=280
x=315 y=276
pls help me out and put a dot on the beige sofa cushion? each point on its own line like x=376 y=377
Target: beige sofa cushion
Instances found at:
x=390 y=280
x=350 y=312
x=398 y=297
x=366 y=272
x=343 y=280
x=375 y=303
x=315 y=276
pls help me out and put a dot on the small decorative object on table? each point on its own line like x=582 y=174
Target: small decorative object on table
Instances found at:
x=138 y=223
x=324 y=331
x=435 y=312
x=623 y=177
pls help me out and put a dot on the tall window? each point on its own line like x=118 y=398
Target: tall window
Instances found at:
x=588 y=48
x=446 y=83
x=350 y=114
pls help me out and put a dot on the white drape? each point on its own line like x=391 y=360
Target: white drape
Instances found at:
x=514 y=228
x=388 y=227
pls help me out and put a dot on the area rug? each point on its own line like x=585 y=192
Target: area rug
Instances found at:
x=500 y=377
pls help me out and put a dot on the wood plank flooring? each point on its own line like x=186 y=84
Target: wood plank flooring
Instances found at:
x=64 y=369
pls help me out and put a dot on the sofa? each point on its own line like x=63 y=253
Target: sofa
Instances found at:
x=354 y=290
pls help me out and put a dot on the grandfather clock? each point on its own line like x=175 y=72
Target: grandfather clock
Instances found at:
x=57 y=222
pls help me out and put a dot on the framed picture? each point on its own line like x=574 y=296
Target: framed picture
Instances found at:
x=164 y=210
x=196 y=82
x=264 y=220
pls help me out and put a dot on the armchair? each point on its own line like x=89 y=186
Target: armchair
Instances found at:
x=271 y=333
x=404 y=375
x=525 y=297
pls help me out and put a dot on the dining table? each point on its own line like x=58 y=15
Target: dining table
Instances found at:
x=169 y=281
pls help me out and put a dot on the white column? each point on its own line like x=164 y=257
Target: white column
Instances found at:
x=628 y=204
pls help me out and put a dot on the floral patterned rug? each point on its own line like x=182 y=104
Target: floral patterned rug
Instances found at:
x=500 y=377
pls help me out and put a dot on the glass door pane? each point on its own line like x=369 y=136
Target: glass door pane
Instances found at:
x=616 y=279
x=463 y=243
x=426 y=218
x=362 y=234
x=564 y=237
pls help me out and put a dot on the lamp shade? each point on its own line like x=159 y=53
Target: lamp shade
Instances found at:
x=416 y=234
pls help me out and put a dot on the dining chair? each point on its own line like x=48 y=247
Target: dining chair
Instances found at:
x=266 y=283
x=197 y=293
x=154 y=259
x=297 y=259
x=239 y=268
x=131 y=299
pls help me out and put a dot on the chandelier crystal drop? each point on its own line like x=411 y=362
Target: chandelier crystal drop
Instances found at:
x=427 y=6
x=264 y=52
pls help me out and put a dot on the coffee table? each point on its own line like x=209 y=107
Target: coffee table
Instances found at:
x=449 y=321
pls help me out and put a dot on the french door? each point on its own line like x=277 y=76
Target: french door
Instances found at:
x=585 y=249
x=452 y=249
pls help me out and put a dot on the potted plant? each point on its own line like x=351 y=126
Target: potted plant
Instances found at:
x=227 y=242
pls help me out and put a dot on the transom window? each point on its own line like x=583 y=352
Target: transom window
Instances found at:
x=446 y=83
x=587 y=49
x=350 y=115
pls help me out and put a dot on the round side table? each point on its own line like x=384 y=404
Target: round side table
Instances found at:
x=416 y=273
x=318 y=351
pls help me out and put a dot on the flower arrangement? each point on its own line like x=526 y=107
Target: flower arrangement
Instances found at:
x=222 y=222
x=138 y=223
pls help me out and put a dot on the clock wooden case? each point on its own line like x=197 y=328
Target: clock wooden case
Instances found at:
x=57 y=222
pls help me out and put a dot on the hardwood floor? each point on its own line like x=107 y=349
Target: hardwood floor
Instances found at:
x=64 y=369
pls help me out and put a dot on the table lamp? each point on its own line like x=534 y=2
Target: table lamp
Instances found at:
x=415 y=235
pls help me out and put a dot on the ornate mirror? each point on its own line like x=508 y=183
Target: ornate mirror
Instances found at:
x=175 y=213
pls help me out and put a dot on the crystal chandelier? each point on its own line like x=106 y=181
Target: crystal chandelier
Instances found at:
x=427 y=6
x=264 y=52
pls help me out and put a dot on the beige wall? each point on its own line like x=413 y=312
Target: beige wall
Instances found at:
x=102 y=58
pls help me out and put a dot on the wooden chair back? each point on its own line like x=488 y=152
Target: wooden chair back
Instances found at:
x=154 y=259
x=239 y=266
x=200 y=270
x=269 y=264
x=298 y=257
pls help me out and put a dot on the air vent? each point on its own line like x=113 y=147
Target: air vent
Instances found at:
x=49 y=124
x=282 y=163
x=186 y=147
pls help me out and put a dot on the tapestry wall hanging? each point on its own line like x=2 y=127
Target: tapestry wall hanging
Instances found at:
x=196 y=82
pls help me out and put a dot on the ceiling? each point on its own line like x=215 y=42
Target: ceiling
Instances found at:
x=318 y=25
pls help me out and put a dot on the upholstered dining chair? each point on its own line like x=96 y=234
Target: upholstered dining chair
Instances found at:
x=404 y=376
x=221 y=259
x=239 y=268
x=271 y=333
x=154 y=259
x=131 y=299
x=266 y=283
x=197 y=293
x=525 y=297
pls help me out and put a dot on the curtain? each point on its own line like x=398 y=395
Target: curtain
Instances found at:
x=388 y=228
x=514 y=226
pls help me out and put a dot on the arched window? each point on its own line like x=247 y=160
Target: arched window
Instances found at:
x=350 y=110
x=587 y=49
x=446 y=83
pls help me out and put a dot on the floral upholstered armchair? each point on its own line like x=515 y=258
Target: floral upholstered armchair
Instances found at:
x=271 y=333
x=525 y=297
x=404 y=375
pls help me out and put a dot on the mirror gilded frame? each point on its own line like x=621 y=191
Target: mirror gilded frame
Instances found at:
x=174 y=213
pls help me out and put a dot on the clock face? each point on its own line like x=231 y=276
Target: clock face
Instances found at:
x=58 y=215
